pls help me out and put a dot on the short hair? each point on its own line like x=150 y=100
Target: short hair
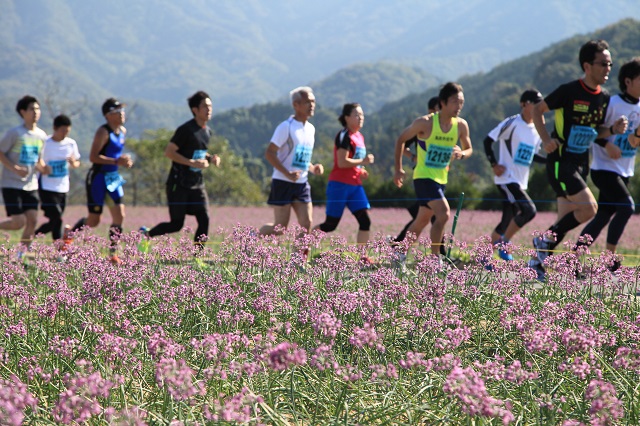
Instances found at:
x=347 y=109
x=61 y=120
x=433 y=103
x=629 y=70
x=24 y=103
x=296 y=94
x=448 y=90
x=589 y=49
x=196 y=99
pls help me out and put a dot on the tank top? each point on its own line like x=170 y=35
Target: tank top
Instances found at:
x=434 y=153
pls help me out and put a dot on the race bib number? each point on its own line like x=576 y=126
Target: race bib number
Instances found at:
x=524 y=154
x=438 y=157
x=29 y=155
x=59 y=168
x=113 y=181
x=360 y=153
x=580 y=139
x=198 y=154
x=622 y=142
x=302 y=157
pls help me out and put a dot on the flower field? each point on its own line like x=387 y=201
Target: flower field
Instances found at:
x=248 y=331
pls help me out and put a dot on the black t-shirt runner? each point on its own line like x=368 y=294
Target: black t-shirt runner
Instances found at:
x=579 y=110
x=192 y=141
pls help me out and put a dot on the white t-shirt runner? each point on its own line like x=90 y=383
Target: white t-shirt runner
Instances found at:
x=519 y=142
x=295 y=141
x=55 y=155
x=625 y=164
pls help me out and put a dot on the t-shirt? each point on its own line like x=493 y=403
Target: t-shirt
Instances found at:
x=354 y=144
x=23 y=147
x=518 y=142
x=295 y=141
x=55 y=155
x=192 y=141
x=579 y=110
x=624 y=165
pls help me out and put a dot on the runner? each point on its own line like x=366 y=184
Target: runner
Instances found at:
x=103 y=178
x=438 y=135
x=580 y=108
x=186 y=192
x=345 y=180
x=59 y=154
x=613 y=165
x=433 y=106
x=289 y=152
x=518 y=143
x=21 y=156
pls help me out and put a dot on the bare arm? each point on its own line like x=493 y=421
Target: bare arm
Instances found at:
x=344 y=162
x=465 y=149
x=171 y=152
x=99 y=141
x=421 y=126
x=21 y=171
x=271 y=154
x=548 y=144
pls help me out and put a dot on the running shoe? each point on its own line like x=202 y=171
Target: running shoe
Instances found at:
x=542 y=248
x=115 y=260
x=505 y=255
x=144 y=245
x=537 y=266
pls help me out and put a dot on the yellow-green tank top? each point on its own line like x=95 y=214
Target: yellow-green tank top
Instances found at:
x=434 y=153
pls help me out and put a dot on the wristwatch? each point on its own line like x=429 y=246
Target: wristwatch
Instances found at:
x=462 y=155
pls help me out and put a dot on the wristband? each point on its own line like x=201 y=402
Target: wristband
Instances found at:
x=611 y=130
x=462 y=155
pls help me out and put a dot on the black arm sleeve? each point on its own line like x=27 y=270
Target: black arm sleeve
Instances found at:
x=601 y=142
x=488 y=150
x=539 y=159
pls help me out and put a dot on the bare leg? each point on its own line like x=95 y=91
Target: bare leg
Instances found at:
x=281 y=218
x=442 y=212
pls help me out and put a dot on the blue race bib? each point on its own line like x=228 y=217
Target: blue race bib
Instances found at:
x=580 y=139
x=29 y=155
x=302 y=157
x=622 y=142
x=438 y=157
x=59 y=168
x=360 y=153
x=198 y=154
x=113 y=180
x=523 y=155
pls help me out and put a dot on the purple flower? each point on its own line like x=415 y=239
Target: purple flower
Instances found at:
x=285 y=355
x=605 y=408
x=177 y=378
x=14 y=398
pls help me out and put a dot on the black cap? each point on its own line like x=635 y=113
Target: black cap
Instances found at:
x=531 y=95
x=110 y=105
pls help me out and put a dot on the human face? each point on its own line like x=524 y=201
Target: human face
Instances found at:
x=202 y=114
x=453 y=104
x=598 y=70
x=61 y=132
x=31 y=115
x=305 y=107
x=633 y=86
x=355 y=120
x=116 y=117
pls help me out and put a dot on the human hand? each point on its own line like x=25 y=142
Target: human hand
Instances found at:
x=398 y=178
x=613 y=150
x=499 y=169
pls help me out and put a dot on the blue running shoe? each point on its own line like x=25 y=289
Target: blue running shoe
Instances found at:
x=505 y=255
x=542 y=248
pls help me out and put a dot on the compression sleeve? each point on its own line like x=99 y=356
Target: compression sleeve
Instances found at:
x=488 y=150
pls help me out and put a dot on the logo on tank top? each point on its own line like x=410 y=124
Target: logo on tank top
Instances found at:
x=443 y=138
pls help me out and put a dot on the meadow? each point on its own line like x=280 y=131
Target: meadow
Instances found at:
x=247 y=331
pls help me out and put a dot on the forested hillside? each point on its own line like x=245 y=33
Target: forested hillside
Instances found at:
x=489 y=98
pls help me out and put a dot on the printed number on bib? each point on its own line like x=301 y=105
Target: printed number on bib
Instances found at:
x=113 y=180
x=302 y=157
x=622 y=142
x=524 y=154
x=438 y=157
x=29 y=154
x=198 y=154
x=580 y=139
x=59 y=168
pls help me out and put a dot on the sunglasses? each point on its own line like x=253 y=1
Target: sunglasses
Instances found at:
x=116 y=111
x=603 y=63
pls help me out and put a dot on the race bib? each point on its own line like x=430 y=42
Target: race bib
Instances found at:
x=360 y=153
x=198 y=154
x=29 y=155
x=302 y=157
x=113 y=180
x=622 y=142
x=523 y=155
x=580 y=139
x=59 y=168
x=438 y=157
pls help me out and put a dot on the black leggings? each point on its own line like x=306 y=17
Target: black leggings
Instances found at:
x=614 y=200
x=517 y=206
x=181 y=203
